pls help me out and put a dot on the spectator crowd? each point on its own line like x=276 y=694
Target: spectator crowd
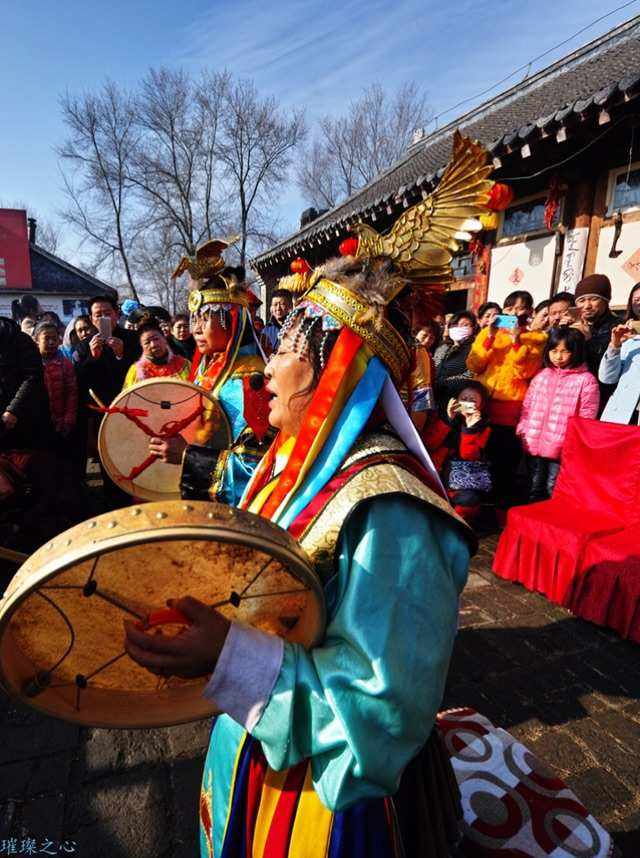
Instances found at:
x=491 y=395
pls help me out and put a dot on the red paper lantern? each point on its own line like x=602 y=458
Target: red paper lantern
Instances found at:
x=299 y=266
x=348 y=247
x=500 y=197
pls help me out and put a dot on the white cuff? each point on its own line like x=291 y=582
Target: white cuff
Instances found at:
x=612 y=351
x=245 y=674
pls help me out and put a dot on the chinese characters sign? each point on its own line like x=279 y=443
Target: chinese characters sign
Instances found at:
x=573 y=256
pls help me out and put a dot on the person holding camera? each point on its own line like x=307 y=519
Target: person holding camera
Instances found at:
x=504 y=357
x=620 y=366
x=467 y=473
x=103 y=361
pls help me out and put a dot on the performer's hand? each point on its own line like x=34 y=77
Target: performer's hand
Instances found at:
x=116 y=346
x=193 y=653
x=9 y=419
x=95 y=346
x=169 y=450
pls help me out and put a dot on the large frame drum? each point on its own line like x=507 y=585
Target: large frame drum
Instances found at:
x=61 y=619
x=163 y=407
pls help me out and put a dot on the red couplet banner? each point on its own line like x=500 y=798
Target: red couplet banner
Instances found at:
x=15 y=267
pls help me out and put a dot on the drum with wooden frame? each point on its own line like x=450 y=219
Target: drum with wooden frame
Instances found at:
x=160 y=407
x=61 y=618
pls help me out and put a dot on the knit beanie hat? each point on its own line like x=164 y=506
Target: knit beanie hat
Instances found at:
x=597 y=285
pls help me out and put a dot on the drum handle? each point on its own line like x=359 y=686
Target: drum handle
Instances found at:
x=165 y=616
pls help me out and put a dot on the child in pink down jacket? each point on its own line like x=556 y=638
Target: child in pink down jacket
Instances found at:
x=564 y=388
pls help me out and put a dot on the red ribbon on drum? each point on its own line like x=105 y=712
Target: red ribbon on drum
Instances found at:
x=168 y=430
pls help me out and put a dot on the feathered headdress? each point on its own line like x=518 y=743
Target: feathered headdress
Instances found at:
x=224 y=283
x=416 y=252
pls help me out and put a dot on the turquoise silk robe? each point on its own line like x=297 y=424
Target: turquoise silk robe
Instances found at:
x=357 y=708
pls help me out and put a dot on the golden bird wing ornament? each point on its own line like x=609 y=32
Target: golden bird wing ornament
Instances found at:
x=423 y=240
x=206 y=261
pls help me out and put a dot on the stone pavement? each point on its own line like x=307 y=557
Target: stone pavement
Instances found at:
x=566 y=688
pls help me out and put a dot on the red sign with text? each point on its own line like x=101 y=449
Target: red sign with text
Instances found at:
x=15 y=266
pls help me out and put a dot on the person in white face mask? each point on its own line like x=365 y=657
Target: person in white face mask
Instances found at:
x=451 y=357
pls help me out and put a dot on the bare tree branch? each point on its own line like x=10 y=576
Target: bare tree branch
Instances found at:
x=352 y=150
x=256 y=146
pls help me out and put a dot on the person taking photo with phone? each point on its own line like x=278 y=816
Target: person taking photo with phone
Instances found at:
x=593 y=294
x=620 y=366
x=504 y=357
x=103 y=361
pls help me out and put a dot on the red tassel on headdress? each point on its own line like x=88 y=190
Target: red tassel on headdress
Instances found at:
x=348 y=247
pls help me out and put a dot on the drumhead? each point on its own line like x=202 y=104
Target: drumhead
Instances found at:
x=154 y=407
x=61 y=619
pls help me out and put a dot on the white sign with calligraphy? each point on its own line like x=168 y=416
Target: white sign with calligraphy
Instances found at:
x=573 y=256
x=523 y=265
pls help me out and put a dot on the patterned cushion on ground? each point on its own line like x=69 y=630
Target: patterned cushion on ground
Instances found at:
x=514 y=805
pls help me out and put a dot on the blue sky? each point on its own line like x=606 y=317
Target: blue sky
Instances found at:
x=317 y=54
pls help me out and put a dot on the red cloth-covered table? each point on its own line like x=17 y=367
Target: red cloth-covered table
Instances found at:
x=597 y=494
x=607 y=590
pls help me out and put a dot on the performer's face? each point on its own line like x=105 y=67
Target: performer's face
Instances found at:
x=290 y=380
x=211 y=338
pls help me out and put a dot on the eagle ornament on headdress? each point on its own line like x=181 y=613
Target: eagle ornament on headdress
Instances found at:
x=416 y=252
x=216 y=282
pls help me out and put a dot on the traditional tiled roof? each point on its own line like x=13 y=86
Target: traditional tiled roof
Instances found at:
x=49 y=273
x=597 y=76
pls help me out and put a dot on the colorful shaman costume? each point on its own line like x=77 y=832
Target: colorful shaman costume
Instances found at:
x=332 y=752
x=235 y=377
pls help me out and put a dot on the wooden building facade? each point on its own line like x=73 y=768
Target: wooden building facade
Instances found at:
x=567 y=140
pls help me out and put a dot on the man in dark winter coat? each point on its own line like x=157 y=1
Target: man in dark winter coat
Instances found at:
x=103 y=360
x=593 y=294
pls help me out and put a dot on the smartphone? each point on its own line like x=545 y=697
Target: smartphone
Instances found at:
x=506 y=322
x=104 y=327
x=574 y=313
x=466 y=407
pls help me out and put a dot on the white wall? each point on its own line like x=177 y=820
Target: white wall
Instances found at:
x=522 y=265
x=624 y=270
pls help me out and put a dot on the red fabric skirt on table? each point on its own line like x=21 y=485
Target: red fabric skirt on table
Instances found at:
x=543 y=544
x=607 y=590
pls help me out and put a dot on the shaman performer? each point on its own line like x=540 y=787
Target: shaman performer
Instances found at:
x=228 y=362
x=332 y=751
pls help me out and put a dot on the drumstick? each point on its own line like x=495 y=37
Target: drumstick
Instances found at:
x=96 y=399
x=13 y=556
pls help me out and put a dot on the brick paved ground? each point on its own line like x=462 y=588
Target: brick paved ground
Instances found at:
x=566 y=688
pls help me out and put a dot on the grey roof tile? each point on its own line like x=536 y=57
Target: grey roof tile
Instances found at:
x=594 y=73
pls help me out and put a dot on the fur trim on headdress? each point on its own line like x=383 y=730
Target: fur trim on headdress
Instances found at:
x=375 y=281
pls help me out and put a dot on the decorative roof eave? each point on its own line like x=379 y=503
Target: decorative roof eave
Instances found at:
x=559 y=124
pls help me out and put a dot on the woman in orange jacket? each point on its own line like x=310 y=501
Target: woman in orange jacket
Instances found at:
x=504 y=361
